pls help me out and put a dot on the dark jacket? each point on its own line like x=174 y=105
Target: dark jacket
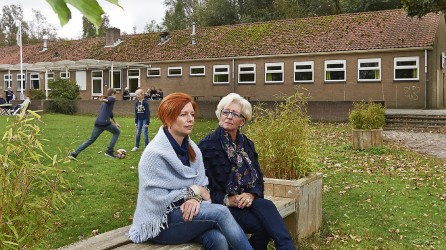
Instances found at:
x=142 y=111
x=218 y=166
x=105 y=113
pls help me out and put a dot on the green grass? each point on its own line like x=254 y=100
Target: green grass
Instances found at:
x=382 y=198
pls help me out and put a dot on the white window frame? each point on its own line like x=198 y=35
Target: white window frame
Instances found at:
x=311 y=69
x=342 y=69
x=49 y=78
x=247 y=72
x=7 y=81
x=416 y=59
x=112 y=84
x=154 y=69
x=32 y=77
x=218 y=73
x=21 y=83
x=129 y=77
x=93 y=78
x=64 y=75
x=372 y=68
x=197 y=67
x=274 y=71
x=169 y=74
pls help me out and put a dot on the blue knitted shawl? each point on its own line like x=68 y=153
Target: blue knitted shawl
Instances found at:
x=163 y=179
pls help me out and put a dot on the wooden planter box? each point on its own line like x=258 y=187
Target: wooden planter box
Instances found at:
x=308 y=194
x=363 y=139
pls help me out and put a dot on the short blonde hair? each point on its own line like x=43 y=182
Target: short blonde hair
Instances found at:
x=235 y=98
x=139 y=92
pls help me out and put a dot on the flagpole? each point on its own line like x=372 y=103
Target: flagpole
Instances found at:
x=19 y=42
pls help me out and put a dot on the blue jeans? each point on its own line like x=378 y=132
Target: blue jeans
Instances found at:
x=263 y=222
x=97 y=131
x=213 y=227
x=139 y=126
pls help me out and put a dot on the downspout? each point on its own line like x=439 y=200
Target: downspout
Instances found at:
x=233 y=75
x=425 y=79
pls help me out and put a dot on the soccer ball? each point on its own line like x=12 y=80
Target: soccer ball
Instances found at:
x=121 y=153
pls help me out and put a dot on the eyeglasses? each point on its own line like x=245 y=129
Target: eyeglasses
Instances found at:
x=234 y=114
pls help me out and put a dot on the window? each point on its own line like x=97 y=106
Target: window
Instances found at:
x=304 y=71
x=174 y=71
x=274 y=72
x=369 y=69
x=247 y=73
x=21 y=82
x=221 y=74
x=406 y=68
x=50 y=76
x=197 y=71
x=116 y=81
x=96 y=82
x=153 y=72
x=335 y=70
x=35 y=81
x=133 y=80
x=64 y=75
x=7 y=81
x=81 y=79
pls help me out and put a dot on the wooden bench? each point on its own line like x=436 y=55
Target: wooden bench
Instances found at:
x=118 y=238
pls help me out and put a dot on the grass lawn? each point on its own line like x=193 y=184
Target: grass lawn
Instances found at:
x=383 y=198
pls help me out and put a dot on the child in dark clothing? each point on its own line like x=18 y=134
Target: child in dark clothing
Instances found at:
x=142 y=118
x=103 y=123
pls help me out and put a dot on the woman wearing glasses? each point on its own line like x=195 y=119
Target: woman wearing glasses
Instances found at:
x=235 y=178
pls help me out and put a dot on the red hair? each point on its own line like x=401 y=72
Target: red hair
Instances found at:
x=170 y=108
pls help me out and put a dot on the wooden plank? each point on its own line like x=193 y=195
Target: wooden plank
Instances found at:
x=118 y=238
x=108 y=240
x=153 y=246
x=285 y=206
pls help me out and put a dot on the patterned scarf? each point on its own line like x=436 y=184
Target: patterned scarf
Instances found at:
x=243 y=174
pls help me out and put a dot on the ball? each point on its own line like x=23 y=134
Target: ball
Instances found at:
x=121 y=153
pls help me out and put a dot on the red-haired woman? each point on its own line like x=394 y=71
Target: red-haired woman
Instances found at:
x=173 y=201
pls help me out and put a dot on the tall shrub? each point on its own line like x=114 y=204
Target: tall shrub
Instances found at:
x=64 y=93
x=367 y=115
x=30 y=183
x=281 y=136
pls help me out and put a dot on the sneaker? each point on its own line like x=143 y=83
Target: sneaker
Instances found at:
x=73 y=156
x=109 y=154
x=135 y=149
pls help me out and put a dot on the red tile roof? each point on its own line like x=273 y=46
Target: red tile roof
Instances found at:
x=359 y=31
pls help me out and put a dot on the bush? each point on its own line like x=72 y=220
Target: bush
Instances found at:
x=36 y=94
x=369 y=115
x=64 y=94
x=30 y=188
x=281 y=138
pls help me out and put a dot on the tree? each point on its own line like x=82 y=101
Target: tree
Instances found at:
x=12 y=15
x=353 y=6
x=39 y=27
x=219 y=12
x=89 y=30
x=421 y=8
x=152 y=27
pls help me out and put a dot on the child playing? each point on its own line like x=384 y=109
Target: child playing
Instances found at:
x=142 y=118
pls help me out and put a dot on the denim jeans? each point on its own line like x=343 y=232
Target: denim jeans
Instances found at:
x=263 y=222
x=139 y=126
x=97 y=131
x=213 y=227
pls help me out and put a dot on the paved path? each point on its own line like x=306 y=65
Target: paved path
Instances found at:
x=426 y=143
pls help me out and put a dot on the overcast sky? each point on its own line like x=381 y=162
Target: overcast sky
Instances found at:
x=134 y=13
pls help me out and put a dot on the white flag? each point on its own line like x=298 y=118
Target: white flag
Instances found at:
x=19 y=35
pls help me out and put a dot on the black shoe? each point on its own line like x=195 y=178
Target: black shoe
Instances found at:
x=73 y=156
x=109 y=154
